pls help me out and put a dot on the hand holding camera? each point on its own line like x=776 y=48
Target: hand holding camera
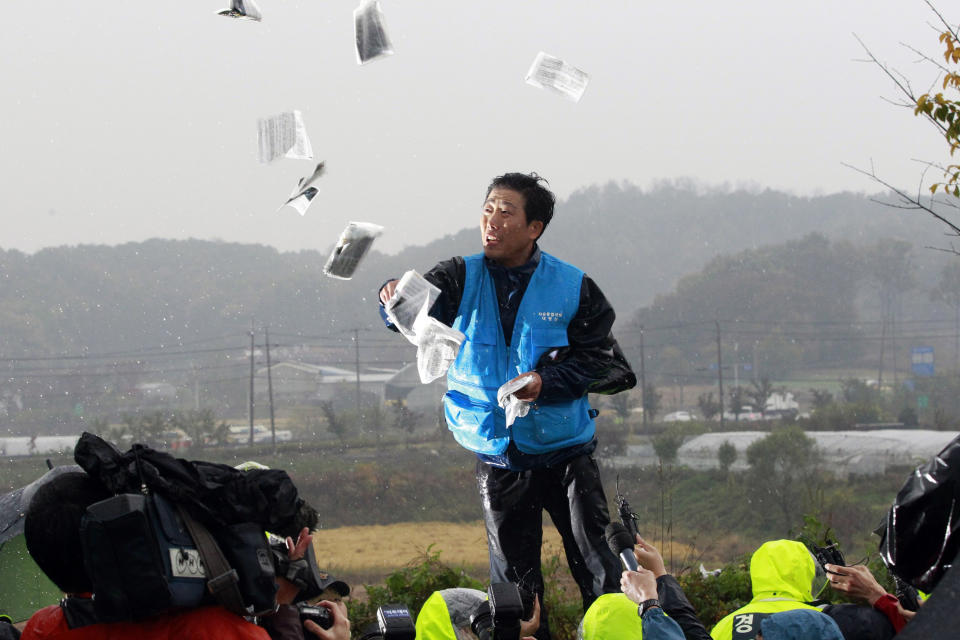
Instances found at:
x=339 y=628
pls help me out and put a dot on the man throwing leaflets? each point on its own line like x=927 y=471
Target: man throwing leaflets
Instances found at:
x=526 y=313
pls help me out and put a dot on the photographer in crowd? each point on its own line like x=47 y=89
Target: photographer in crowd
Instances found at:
x=286 y=622
x=614 y=615
x=782 y=578
x=52 y=533
x=454 y=614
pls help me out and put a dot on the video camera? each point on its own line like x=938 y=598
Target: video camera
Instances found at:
x=394 y=622
x=146 y=555
x=499 y=617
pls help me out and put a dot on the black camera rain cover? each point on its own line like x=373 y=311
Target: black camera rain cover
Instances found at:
x=922 y=533
x=216 y=494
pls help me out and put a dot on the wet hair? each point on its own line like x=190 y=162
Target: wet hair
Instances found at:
x=538 y=200
x=52 y=528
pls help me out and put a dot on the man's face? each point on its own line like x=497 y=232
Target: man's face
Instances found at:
x=506 y=236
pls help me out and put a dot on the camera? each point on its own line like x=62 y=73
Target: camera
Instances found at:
x=320 y=615
x=394 y=622
x=499 y=617
x=829 y=554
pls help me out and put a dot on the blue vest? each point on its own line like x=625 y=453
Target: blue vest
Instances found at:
x=485 y=362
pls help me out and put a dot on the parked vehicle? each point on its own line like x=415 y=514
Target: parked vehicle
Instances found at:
x=747 y=414
x=678 y=416
x=240 y=434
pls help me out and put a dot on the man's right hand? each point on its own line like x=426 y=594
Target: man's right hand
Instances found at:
x=341 y=623
x=386 y=291
x=856 y=581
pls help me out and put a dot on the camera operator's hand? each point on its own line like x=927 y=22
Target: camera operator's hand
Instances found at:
x=856 y=581
x=639 y=585
x=529 y=627
x=286 y=590
x=341 y=623
x=649 y=558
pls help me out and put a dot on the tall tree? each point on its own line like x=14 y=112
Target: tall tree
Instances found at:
x=760 y=392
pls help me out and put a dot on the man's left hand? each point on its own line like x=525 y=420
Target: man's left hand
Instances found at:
x=639 y=585
x=531 y=391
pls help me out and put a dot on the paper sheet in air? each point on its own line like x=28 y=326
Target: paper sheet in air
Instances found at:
x=554 y=74
x=243 y=10
x=283 y=136
x=409 y=310
x=372 y=39
x=352 y=246
x=304 y=192
x=510 y=403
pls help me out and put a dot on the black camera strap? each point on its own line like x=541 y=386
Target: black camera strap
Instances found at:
x=221 y=578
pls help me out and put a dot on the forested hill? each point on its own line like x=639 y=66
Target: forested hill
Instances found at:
x=635 y=243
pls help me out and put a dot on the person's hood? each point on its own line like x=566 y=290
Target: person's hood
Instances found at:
x=782 y=569
x=612 y=615
x=446 y=611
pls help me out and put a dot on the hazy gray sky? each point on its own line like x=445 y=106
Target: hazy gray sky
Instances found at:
x=128 y=120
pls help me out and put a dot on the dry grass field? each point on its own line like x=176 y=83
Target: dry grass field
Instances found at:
x=368 y=554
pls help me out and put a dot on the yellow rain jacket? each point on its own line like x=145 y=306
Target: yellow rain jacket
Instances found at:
x=782 y=575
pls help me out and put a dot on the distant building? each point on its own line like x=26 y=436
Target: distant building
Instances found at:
x=304 y=383
x=405 y=386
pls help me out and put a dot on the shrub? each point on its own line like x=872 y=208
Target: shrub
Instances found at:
x=411 y=586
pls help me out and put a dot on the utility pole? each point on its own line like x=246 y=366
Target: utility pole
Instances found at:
x=196 y=387
x=250 y=409
x=643 y=383
x=720 y=373
x=736 y=364
x=356 y=348
x=273 y=427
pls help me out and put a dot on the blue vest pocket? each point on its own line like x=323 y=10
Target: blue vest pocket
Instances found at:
x=474 y=422
x=552 y=424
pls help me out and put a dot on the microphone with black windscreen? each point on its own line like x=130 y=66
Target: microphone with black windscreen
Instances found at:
x=621 y=543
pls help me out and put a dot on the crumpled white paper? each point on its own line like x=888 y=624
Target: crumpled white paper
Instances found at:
x=437 y=347
x=409 y=309
x=510 y=403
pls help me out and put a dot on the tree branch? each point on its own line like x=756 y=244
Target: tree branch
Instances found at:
x=914 y=203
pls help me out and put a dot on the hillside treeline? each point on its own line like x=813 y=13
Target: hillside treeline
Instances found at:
x=634 y=243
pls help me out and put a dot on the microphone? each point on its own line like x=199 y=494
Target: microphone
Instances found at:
x=621 y=543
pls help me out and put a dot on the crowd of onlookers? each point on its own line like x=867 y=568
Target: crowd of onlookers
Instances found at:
x=786 y=577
